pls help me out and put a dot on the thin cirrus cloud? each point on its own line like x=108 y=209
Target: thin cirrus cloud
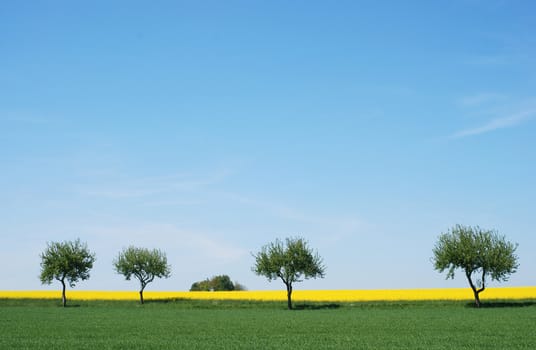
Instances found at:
x=340 y=225
x=201 y=243
x=151 y=186
x=481 y=99
x=497 y=124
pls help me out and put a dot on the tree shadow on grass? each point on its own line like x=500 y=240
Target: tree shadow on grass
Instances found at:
x=315 y=306
x=160 y=301
x=502 y=304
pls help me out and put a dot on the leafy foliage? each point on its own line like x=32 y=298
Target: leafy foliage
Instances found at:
x=479 y=252
x=291 y=261
x=201 y=286
x=142 y=263
x=239 y=286
x=66 y=262
x=216 y=283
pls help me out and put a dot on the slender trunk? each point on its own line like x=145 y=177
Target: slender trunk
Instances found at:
x=476 y=291
x=477 y=298
x=289 y=295
x=63 y=298
x=141 y=293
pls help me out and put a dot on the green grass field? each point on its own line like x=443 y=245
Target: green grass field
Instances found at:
x=40 y=324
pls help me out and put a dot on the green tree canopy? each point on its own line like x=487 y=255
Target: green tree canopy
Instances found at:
x=478 y=253
x=291 y=261
x=67 y=262
x=142 y=263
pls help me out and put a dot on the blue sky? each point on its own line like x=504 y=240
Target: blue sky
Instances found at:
x=210 y=128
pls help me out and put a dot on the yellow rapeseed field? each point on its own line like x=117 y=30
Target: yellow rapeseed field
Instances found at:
x=280 y=295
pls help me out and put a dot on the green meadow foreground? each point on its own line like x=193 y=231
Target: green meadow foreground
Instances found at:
x=190 y=324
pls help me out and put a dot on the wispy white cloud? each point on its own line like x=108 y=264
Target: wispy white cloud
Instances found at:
x=206 y=245
x=336 y=225
x=143 y=187
x=498 y=123
x=481 y=99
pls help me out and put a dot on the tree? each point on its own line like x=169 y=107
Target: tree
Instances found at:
x=239 y=286
x=66 y=262
x=479 y=253
x=143 y=264
x=216 y=283
x=200 y=286
x=289 y=261
x=222 y=282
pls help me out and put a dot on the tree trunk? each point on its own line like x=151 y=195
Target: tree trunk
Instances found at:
x=63 y=298
x=477 y=298
x=289 y=296
x=476 y=291
x=142 y=287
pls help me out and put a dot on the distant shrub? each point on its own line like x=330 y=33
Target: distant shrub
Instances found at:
x=216 y=283
x=239 y=286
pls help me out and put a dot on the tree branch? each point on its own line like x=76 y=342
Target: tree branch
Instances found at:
x=483 y=281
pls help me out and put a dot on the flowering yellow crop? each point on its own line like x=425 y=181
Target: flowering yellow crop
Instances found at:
x=280 y=295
